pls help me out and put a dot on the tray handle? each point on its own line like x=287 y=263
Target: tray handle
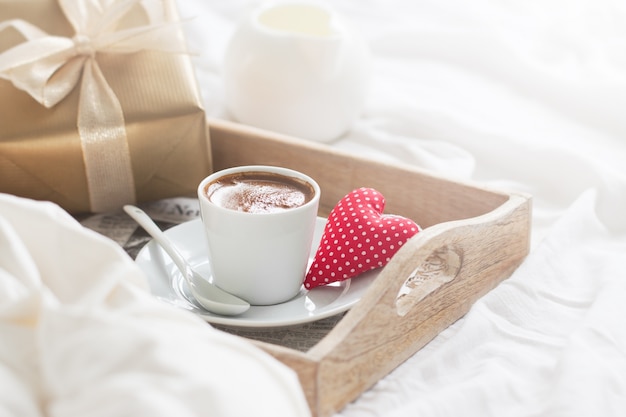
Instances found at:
x=428 y=285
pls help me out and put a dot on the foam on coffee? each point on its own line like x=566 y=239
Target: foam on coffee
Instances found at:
x=259 y=192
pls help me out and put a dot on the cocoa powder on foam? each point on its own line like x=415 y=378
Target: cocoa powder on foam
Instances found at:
x=259 y=192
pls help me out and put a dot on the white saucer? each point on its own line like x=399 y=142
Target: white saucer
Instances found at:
x=167 y=284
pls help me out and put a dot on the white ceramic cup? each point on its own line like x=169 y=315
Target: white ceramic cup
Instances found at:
x=260 y=257
x=296 y=67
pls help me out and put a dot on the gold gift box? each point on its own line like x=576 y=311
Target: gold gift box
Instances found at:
x=40 y=148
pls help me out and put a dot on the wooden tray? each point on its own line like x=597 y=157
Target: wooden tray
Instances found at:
x=473 y=238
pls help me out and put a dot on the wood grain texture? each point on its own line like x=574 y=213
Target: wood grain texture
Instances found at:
x=413 y=192
x=477 y=237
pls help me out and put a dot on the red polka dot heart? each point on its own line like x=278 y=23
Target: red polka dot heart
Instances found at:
x=357 y=238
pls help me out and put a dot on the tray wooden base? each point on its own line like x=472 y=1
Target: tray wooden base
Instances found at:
x=473 y=238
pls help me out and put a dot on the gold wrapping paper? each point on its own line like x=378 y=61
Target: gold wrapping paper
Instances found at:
x=40 y=149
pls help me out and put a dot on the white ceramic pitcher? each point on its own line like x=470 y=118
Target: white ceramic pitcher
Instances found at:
x=296 y=68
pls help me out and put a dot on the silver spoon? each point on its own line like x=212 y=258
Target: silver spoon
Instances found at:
x=211 y=297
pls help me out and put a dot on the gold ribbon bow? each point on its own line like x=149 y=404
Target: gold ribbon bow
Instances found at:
x=49 y=67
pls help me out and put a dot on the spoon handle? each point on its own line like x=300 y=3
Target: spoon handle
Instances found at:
x=153 y=230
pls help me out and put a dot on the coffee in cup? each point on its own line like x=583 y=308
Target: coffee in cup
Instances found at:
x=259 y=223
x=259 y=192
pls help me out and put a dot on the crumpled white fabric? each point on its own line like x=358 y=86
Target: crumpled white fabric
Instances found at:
x=81 y=335
x=521 y=96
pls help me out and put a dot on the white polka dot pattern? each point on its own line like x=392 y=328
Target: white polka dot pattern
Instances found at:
x=357 y=238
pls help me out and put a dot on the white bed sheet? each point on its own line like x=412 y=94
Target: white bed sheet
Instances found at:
x=525 y=96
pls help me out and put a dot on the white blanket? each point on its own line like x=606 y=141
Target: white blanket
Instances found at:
x=526 y=96
x=82 y=336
